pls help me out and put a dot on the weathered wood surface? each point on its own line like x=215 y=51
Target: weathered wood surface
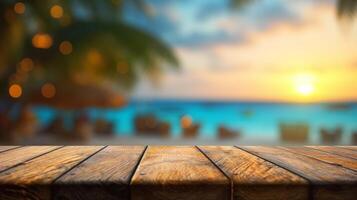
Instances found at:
x=32 y=179
x=349 y=147
x=19 y=155
x=328 y=180
x=255 y=178
x=106 y=175
x=346 y=152
x=325 y=157
x=170 y=172
x=178 y=172
x=6 y=148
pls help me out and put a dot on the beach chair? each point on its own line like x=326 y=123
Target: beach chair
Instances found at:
x=331 y=136
x=294 y=133
x=226 y=133
x=354 y=138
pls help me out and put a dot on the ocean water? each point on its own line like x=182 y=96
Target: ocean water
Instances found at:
x=254 y=120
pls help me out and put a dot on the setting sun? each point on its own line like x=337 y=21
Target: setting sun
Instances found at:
x=305 y=89
x=304 y=84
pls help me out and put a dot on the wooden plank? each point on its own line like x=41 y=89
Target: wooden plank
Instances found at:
x=6 y=148
x=325 y=157
x=16 y=156
x=337 y=150
x=254 y=178
x=181 y=172
x=354 y=148
x=329 y=181
x=32 y=179
x=106 y=175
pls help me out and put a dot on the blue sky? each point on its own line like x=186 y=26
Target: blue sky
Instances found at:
x=195 y=22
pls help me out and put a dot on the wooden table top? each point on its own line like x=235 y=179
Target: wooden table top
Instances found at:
x=178 y=172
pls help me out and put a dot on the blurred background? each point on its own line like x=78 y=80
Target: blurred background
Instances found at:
x=178 y=72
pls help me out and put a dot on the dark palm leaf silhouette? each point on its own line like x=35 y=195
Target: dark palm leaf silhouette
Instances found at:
x=101 y=31
x=346 y=8
x=116 y=43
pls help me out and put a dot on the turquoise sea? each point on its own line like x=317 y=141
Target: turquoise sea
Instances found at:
x=253 y=120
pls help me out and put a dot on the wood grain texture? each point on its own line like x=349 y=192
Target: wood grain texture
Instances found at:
x=32 y=179
x=16 y=156
x=354 y=148
x=178 y=172
x=337 y=150
x=169 y=172
x=329 y=181
x=106 y=175
x=254 y=178
x=325 y=157
x=6 y=148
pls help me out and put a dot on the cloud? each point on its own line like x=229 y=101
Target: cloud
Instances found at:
x=210 y=9
x=265 y=13
x=162 y=23
x=197 y=39
x=215 y=22
x=196 y=23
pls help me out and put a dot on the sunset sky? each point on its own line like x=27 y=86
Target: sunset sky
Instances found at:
x=270 y=50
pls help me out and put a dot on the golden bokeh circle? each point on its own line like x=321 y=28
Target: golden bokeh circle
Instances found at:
x=15 y=91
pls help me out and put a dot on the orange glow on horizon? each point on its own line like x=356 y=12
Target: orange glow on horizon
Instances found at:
x=283 y=63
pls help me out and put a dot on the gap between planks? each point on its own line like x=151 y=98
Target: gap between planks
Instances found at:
x=8 y=148
x=313 y=169
x=138 y=164
x=224 y=173
x=320 y=159
x=336 y=151
x=310 y=185
x=54 y=180
x=34 y=157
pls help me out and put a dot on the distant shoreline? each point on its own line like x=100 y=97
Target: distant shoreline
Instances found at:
x=218 y=101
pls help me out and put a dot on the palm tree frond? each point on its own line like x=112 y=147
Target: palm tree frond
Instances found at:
x=346 y=8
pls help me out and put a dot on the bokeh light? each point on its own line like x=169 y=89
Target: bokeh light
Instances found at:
x=20 y=8
x=56 y=11
x=26 y=64
x=186 y=121
x=15 y=91
x=48 y=90
x=42 y=41
x=66 y=47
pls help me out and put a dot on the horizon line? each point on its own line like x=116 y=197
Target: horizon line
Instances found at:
x=182 y=99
